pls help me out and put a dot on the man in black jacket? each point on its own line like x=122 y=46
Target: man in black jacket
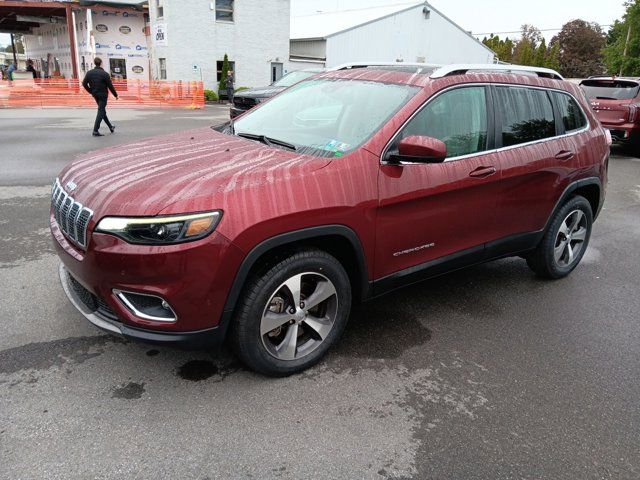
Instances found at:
x=98 y=83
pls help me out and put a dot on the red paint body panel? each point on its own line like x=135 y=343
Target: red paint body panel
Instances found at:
x=264 y=192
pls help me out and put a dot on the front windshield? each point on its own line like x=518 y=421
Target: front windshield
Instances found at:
x=326 y=117
x=292 y=78
x=610 y=89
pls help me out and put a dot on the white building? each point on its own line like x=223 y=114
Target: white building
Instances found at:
x=117 y=34
x=414 y=32
x=189 y=39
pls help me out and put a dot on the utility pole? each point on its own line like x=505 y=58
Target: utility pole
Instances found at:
x=15 y=55
x=626 y=46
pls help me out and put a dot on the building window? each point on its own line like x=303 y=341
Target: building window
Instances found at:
x=232 y=67
x=224 y=10
x=163 y=68
x=159 y=8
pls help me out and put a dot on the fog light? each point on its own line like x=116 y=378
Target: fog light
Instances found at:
x=148 y=307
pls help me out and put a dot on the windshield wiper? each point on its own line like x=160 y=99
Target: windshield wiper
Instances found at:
x=606 y=98
x=269 y=141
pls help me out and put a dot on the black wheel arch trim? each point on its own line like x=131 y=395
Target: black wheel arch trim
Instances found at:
x=571 y=188
x=284 y=239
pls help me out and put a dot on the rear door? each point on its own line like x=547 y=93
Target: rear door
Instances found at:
x=535 y=156
x=433 y=211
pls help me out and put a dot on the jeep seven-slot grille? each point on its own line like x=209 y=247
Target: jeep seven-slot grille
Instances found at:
x=71 y=216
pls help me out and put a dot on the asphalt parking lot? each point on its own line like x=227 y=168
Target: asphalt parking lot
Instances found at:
x=485 y=373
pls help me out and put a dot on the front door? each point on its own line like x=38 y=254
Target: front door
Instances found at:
x=118 y=68
x=276 y=72
x=440 y=210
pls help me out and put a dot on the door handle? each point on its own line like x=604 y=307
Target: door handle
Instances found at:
x=482 y=172
x=565 y=155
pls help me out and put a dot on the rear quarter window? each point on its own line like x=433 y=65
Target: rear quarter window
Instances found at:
x=526 y=115
x=570 y=112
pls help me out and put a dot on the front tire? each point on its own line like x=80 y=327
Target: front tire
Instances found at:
x=565 y=241
x=290 y=315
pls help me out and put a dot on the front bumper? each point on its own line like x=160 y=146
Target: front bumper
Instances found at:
x=194 y=278
x=208 y=338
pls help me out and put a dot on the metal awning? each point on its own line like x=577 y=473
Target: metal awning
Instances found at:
x=11 y=10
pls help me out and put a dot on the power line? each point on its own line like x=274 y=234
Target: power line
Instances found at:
x=520 y=31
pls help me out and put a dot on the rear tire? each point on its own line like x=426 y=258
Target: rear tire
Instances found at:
x=290 y=315
x=565 y=241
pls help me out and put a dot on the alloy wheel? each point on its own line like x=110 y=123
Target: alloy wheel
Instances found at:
x=570 y=239
x=299 y=316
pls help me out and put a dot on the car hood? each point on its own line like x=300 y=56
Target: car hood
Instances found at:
x=191 y=171
x=260 y=92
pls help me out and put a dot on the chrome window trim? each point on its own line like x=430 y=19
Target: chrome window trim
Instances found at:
x=484 y=152
x=120 y=294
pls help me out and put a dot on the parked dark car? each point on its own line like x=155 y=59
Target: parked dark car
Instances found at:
x=616 y=102
x=247 y=99
x=345 y=186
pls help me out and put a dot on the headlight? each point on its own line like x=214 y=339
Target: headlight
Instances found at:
x=161 y=230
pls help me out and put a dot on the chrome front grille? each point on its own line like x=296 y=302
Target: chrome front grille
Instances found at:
x=71 y=216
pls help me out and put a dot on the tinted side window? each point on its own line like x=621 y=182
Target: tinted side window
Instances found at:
x=570 y=112
x=457 y=117
x=527 y=115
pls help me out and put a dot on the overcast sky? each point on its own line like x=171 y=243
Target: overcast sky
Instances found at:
x=494 y=15
x=487 y=15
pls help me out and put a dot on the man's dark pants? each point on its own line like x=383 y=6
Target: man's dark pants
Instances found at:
x=102 y=113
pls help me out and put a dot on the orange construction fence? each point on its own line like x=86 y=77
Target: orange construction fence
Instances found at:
x=43 y=93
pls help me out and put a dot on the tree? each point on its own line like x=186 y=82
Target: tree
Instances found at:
x=616 y=61
x=553 y=57
x=503 y=48
x=525 y=50
x=17 y=39
x=580 y=46
x=222 y=87
x=540 y=59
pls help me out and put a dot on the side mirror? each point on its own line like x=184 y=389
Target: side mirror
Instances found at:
x=419 y=149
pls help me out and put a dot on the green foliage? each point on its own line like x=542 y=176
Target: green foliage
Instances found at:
x=17 y=39
x=503 y=48
x=553 y=57
x=540 y=57
x=225 y=71
x=616 y=61
x=239 y=89
x=210 y=96
x=575 y=51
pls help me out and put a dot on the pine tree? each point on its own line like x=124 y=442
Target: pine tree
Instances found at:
x=553 y=57
x=222 y=87
x=540 y=59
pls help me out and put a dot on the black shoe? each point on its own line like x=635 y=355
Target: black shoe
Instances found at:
x=112 y=128
x=97 y=134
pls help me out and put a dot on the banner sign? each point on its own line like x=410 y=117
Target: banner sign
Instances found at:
x=160 y=36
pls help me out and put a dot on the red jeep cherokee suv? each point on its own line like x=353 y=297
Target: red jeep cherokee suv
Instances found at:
x=616 y=102
x=344 y=187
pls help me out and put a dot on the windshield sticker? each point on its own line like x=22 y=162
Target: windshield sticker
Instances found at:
x=335 y=146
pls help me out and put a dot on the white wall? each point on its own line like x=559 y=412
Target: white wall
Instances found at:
x=51 y=39
x=54 y=39
x=116 y=43
x=258 y=36
x=408 y=36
